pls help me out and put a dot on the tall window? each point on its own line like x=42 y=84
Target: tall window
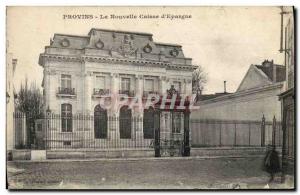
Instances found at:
x=65 y=81
x=100 y=82
x=125 y=123
x=125 y=84
x=100 y=122
x=149 y=85
x=177 y=86
x=66 y=118
x=148 y=123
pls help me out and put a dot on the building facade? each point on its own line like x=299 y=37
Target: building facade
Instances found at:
x=287 y=98
x=81 y=71
x=247 y=117
x=255 y=97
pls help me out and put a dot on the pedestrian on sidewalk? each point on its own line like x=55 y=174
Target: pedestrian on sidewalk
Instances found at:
x=271 y=162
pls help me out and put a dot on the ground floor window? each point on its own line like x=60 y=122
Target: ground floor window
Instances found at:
x=148 y=123
x=125 y=122
x=100 y=122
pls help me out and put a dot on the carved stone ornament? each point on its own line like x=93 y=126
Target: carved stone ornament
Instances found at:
x=127 y=48
x=174 y=52
x=147 y=48
x=65 y=42
x=99 y=44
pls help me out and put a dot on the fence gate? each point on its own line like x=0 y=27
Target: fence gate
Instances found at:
x=172 y=133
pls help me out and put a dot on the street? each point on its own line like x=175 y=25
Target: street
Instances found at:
x=176 y=173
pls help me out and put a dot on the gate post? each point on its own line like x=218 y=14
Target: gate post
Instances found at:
x=186 y=145
x=157 y=133
x=47 y=129
x=274 y=132
x=263 y=130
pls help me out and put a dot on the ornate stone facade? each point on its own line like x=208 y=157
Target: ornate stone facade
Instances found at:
x=108 y=61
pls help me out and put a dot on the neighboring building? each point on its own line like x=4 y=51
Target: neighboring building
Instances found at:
x=10 y=100
x=78 y=70
x=256 y=96
x=288 y=97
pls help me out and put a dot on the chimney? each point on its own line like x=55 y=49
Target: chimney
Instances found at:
x=274 y=73
x=225 y=87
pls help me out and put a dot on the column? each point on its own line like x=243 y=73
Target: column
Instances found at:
x=157 y=133
x=187 y=148
x=164 y=84
x=139 y=85
x=188 y=86
x=115 y=82
x=113 y=130
x=87 y=92
x=138 y=111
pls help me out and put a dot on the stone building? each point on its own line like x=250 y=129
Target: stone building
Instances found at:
x=80 y=70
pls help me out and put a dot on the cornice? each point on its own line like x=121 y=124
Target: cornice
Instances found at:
x=139 y=62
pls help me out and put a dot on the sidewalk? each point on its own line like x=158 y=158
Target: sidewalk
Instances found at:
x=147 y=173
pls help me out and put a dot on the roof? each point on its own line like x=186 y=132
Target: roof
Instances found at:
x=280 y=72
x=108 y=43
x=120 y=31
x=203 y=97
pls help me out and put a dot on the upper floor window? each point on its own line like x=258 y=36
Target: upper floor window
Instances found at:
x=66 y=81
x=177 y=86
x=149 y=85
x=100 y=82
x=125 y=84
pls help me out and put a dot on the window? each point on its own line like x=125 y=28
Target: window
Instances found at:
x=67 y=143
x=100 y=122
x=65 y=81
x=177 y=117
x=125 y=84
x=149 y=85
x=148 y=123
x=66 y=118
x=100 y=82
x=177 y=86
x=125 y=123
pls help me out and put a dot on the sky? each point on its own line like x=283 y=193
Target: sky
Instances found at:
x=225 y=41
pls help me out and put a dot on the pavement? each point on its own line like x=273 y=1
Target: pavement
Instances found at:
x=143 y=173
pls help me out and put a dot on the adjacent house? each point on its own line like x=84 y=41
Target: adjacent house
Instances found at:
x=246 y=117
x=256 y=96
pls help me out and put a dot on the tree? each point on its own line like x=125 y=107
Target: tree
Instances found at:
x=199 y=80
x=30 y=102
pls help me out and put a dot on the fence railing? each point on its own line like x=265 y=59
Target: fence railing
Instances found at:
x=234 y=133
x=20 y=130
x=88 y=131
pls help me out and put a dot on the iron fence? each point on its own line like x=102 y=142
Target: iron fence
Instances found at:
x=86 y=132
x=235 y=133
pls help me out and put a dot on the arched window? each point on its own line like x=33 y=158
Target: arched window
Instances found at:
x=148 y=123
x=125 y=122
x=66 y=118
x=100 y=122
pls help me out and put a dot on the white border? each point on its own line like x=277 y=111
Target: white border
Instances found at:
x=4 y=3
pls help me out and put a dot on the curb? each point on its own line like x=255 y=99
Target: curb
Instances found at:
x=134 y=159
